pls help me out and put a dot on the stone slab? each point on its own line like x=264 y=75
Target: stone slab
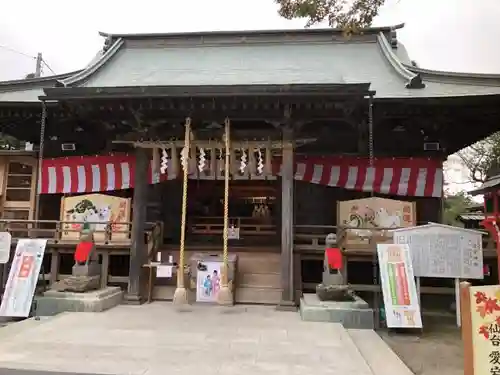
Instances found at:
x=159 y=339
x=377 y=354
x=53 y=302
x=354 y=314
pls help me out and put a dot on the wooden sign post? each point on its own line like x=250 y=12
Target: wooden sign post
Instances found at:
x=480 y=312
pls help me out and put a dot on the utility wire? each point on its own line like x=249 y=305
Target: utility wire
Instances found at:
x=48 y=67
x=44 y=62
x=17 y=52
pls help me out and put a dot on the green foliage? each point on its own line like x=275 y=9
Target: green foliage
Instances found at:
x=481 y=157
x=346 y=14
x=455 y=205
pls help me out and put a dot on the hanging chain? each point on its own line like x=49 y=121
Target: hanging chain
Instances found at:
x=371 y=163
x=226 y=201
x=185 y=167
x=43 y=121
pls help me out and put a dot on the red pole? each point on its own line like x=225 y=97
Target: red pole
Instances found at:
x=496 y=230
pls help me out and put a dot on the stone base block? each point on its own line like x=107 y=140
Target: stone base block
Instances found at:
x=53 y=302
x=351 y=314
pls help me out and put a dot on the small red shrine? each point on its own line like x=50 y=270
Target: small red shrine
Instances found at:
x=491 y=191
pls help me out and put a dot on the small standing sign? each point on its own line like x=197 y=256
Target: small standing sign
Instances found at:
x=5 y=242
x=23 y=278
x=398 y=286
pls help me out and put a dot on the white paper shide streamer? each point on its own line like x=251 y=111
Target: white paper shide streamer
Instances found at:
x=164 y=161
x=201 y=161
x=243 y=161
x=260 y=162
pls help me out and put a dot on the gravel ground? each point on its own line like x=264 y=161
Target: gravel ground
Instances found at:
x=438 y=351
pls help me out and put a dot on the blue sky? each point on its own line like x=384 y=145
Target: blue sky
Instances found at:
x=454 y=35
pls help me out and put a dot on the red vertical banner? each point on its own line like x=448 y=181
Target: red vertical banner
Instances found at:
x=403 y=282
x=26 y=267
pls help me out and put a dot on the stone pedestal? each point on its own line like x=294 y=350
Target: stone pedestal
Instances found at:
x=352 y=314
x=53 y=302
x=84 y=278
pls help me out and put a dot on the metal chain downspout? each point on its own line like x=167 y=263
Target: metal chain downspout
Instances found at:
x=180 y=295
x=43 y=121
x=371 y=163
x=226 y=199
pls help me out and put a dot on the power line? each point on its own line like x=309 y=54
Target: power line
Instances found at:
x=17 y=52
x=48 y=67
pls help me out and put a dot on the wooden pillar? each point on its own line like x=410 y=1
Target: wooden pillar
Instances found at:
x=287 y=182
x=137 y=249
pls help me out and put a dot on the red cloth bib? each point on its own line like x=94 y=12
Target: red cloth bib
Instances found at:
x=83 y=250
x=334 y=258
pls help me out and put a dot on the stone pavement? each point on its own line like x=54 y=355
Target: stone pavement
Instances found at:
x=157 y=339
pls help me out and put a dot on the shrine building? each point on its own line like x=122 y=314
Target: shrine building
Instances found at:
x=315 y=119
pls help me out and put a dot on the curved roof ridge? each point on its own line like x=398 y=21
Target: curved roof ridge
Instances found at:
x=414 y=81
x=29 y=81
x=368 y=30
x=465 y=78
x=94 y=66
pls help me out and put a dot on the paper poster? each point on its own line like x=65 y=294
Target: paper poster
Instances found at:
x=485 y=319
x=23 y=278
x=208 y=282
x=163 y=271
x=398 y=287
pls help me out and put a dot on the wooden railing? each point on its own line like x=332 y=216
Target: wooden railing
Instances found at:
x=106 y=247
x=64 y=232
x=214 y=225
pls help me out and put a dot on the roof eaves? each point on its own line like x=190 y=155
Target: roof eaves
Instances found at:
x=92 y=68
x=414 y=81
x=35 y=81
x=369 y=30
x=456 y=77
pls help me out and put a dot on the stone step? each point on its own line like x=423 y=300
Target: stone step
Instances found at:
x=245 y=294
x=377 y=354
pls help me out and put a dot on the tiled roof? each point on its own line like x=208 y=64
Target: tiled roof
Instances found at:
x=274 y=58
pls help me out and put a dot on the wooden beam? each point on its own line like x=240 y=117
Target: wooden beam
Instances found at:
x=137 y=248
x=287 y=181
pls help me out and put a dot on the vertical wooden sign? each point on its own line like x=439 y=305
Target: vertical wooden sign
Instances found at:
x=480 y=311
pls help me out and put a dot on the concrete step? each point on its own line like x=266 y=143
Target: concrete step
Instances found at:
x=377 y=354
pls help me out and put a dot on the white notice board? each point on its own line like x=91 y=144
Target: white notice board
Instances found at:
x=23 y=277
x=439 y=250
x=402 y=309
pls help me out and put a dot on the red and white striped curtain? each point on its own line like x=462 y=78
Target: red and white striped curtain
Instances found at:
x=418 y=177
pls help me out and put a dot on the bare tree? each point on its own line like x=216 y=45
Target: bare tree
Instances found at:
x=481 y=157
x=347 y=14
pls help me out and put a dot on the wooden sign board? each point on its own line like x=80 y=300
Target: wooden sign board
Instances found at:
x=362 y=215
x=98 y=210
x=480 y=310
x=439 y=250
x=376 y=212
